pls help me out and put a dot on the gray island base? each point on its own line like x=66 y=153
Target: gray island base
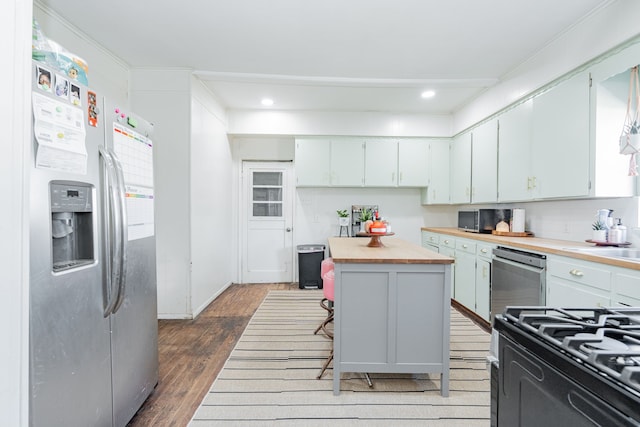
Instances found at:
x=392 y=309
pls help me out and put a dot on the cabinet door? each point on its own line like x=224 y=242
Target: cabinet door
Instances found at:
x=381 y=163
x=465 y=281
x=626 y=288
x=437 y=192
x=347 y=163
x=483 y=288
x=563 y=293
x=313 y=162
x=514 y=159
x=560 y=150
x=413 y=163
x=484 y=163
x=461 y=169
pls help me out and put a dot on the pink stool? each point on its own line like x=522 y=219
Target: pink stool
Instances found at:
x=325 y=266
x=328 y=280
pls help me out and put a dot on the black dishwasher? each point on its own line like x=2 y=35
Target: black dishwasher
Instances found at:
x=518 y=279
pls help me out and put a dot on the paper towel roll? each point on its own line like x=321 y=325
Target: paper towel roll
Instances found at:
x=517 y=221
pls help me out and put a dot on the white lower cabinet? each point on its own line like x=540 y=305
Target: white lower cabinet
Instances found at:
x=484 y=252
x=447 y=247
x=570 y=282
x=465 y=267
x=430 y=241
x=626 y=288
x=576 y=283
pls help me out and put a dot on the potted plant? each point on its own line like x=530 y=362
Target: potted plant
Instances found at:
x=599 y=231
x=366 y=219
x=343 y=217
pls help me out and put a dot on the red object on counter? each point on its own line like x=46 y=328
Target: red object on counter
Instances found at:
x=378 y=227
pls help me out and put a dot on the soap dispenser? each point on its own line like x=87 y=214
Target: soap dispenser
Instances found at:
x=623 y=230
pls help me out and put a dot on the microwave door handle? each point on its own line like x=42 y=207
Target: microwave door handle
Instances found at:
x=121 y=230
x=110 y=248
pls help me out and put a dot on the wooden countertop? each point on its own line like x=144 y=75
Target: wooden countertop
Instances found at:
x=550 y=246
x=394 y=251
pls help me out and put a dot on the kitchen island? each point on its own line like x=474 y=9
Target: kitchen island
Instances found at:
x=392 y=309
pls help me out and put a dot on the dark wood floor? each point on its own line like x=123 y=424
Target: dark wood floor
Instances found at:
x=192 y=353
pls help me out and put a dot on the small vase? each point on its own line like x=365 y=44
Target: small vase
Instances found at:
x=599 y=236
x=343 y=221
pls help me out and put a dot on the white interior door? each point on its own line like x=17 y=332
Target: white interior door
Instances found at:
x=267 y=254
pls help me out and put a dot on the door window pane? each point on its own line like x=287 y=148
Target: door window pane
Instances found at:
x=267 y=194
x=267 y=178
x=262 y=194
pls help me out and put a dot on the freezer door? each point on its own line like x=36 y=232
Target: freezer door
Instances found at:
x=69 y=355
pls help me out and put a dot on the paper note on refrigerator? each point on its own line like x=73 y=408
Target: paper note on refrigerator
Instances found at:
x=59 y=131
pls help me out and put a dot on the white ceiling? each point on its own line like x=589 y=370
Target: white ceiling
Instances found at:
x=326 y=55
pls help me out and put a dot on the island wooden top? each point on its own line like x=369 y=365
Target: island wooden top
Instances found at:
x=394 y=251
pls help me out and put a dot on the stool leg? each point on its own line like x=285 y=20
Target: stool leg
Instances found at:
x=326 y=365
x=368 y=378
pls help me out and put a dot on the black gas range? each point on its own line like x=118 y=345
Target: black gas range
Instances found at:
x=566 y=367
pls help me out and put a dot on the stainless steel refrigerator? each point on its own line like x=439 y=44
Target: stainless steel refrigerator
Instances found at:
x=93 y=305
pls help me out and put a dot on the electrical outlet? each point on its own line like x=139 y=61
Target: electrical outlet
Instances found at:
x=316 y=219
x=566 y=227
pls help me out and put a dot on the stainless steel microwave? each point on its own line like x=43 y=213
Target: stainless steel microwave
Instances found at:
x=482 y=220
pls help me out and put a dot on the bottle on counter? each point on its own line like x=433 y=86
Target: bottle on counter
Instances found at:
x=616 y=233
x=622 y=229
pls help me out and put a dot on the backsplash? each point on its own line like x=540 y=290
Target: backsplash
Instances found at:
x=316 y=218
x=572 y=219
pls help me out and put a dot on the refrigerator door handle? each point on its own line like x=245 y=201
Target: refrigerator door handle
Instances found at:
x=113 y=244
x=121 y=231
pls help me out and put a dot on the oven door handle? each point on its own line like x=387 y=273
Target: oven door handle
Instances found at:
x=519 y=264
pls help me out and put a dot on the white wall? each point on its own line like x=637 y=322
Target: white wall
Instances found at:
x=164 y=98
x=15 y=110
x=316 y=217
x=299 y=123
x=212 y=262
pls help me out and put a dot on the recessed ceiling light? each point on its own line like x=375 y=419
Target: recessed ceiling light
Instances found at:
x=428 y=94
x=267 y=102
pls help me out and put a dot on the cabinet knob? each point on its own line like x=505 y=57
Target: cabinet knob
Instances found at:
x=484 y=251
x=576 y=272
x=464 y=246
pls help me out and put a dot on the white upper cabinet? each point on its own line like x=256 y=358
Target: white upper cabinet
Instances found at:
x=325 y=162
x=347 y=162
x=396 y=163
x=514 y=159
x=313 y=162
x=561 y=149
x=461 y=169
x=381 y=163
x=544 y=145
x=484 y=163
x=609 y=94
x=413 y=163
x=356 y=162
x=437 y=191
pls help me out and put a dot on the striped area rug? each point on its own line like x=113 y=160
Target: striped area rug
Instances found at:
x=270 y=378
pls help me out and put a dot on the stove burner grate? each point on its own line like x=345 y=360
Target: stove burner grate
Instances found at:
x=607 y=339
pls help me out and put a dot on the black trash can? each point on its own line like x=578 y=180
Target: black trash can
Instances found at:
x=309 y=263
